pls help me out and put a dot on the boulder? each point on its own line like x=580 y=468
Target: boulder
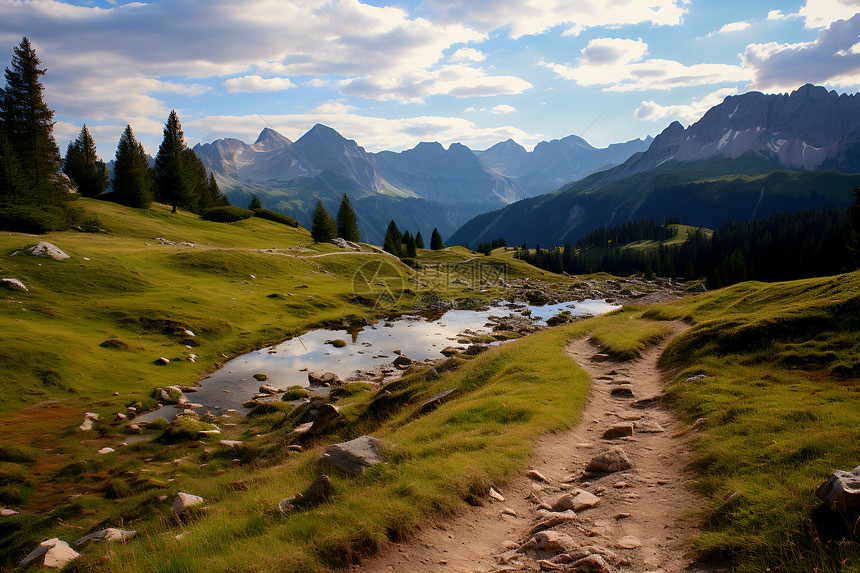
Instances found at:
x=48 y=251
x=323 y=379
x=575 y=500
x=841 y=491
x=475 y=349
x=619 y=430
x=183 y=501
x=323 y=419
x=109 y=534
x=609 y=461
x=15 y=284
x=551 y=542
x=316 y=493
x=51 y=553
x=354 y=456
x=268 y=389
x=402 y=362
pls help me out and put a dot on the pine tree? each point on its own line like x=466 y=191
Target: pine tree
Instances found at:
x=171 y=183
x=409 y=242
x=29 y=125
x=132 y=184
x=83 y=166
x=255 y=204
x=323 y=227
x=214 y=195
x=393 y=242
x=197 y=182
x=419 y=240
x=436 y=240
x=347 y=224
x=854 y=212
x=11 y=181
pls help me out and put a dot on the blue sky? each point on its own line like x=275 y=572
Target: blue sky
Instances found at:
x=393 y=73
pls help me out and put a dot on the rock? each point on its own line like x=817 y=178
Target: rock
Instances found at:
x=629 y=542
x=47 y=250
x=609 y=461
x=8 y=512
x=109 y=534
x=433 y=402
x=268 y=389
x=509 y=511
x=622 y=391
x=231 y=443
x=87 y=425
x=496 y=495
x=475 y=349
x=51 y=553
x=354 y=456
x=323 y=419
x=451 y=350
x=162 y=360
x=648 y=401
x=648 y=427
x=600 y=357
x=575 y=500
x=618 y=431
x=183 y=501
x=551 y=542
x=106 y=450
x=695 y=378
x=344 y=244
x=316 y=493
x=841 y=491
x=15 y=284
x=592 y=564
x=120 y=417
x=698 y=288
x=402 y=362
x=323 y=379
x=537 y=476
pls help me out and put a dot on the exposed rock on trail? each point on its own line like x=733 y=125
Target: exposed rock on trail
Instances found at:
x=632 y=519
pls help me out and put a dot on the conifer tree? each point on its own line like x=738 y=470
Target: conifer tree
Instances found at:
x=29 y=124
x=854 y=212
x=347 y=224
x=197 y=183
x=436 y=240
x=393 y=242
x=132 y=184
x=83 y=166
x=323 y=227
x=255 y=204
x=11 y=181
x=409 y=244
x=171 y=183
x=419 y=241
x=214 y=194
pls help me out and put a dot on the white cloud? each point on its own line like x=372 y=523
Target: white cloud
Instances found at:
x=734 y=27
x=467 y=55
x=256 y=83
x=822 y=13
x=456 y=80
x=778 y=15
x=685 y=113
x=526 y=17
x=619 y=68
x=831 y=59
x=503 y=109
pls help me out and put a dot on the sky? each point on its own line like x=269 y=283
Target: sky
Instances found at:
x=392 y=73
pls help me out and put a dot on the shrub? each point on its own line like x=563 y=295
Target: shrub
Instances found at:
x=36 y=219
x=295 y=393
x=276 y=217
x=226 y=214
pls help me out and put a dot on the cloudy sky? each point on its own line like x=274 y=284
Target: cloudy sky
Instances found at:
x=392 y=73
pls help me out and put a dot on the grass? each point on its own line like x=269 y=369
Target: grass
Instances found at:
x=780 y=401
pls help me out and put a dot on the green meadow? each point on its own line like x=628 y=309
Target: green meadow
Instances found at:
x=777 y=411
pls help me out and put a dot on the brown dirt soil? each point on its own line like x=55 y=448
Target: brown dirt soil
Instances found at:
x=642 y=518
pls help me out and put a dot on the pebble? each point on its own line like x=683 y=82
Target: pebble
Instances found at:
x=537 y=476
x=509 y=511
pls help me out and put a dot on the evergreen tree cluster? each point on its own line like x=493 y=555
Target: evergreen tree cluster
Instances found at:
x=487 y=246
x=324 y=228
x=436 y=240
x=781 y=247
x=641 y=230
x=854 y=212
x=403 y=245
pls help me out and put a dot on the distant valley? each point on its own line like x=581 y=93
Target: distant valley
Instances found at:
x=420 y=188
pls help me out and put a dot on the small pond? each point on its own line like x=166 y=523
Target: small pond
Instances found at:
x=367 y=350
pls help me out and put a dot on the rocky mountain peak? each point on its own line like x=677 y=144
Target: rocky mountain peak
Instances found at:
x=269 y=140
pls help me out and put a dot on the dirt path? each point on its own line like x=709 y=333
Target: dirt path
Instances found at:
x=639 y=522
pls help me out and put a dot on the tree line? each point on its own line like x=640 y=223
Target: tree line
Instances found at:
x=816 y=242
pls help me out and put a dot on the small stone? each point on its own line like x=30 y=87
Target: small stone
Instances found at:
x=163 y=360
x=576 y=500
x=618 y=516
x=294 y=448
x=537 y=476
x=695 y=378
x=610 y=461
x=8 y=512
x=47 y=250
x=183 y=501
x=629 y=542
x=15 y=284
x=106 y=450
x=51 y=553
x=592 y=564
x=231 y=443
x=618 y=431
x=120 y=417
x=648 y=427
x=496 y=495
x=109 y=534
x=509 y=511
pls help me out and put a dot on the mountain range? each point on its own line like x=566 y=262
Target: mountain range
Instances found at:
x=420 y=188
x=750 y=156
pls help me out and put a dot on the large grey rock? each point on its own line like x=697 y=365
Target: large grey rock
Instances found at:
x=354 y=456
x=609 y=461
x=575 y=500
x=109 y=534
x=51 y=553
x=183 y=501
x=323 y=379
x=841 y=491
x=47 y=250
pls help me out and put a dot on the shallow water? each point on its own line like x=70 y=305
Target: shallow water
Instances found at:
x=370 y=348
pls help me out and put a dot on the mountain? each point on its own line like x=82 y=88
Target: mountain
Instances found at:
x=735 y=163
x=420 y=188
x=554 y=163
